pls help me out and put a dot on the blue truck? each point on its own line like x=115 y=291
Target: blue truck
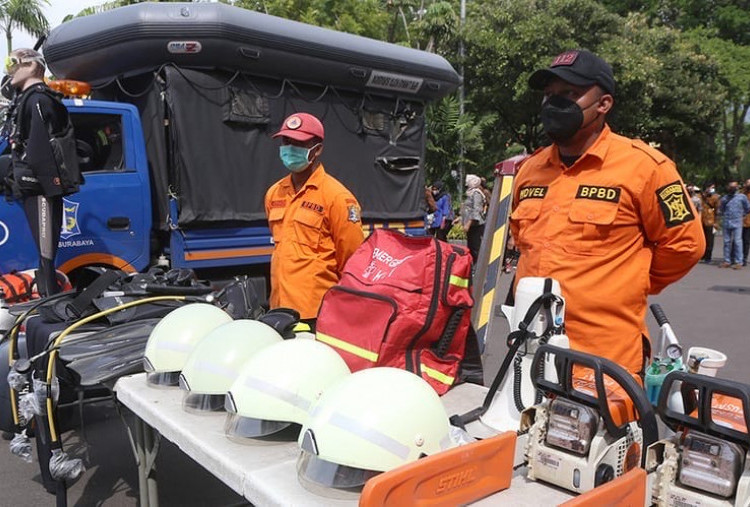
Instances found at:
x=174 y=140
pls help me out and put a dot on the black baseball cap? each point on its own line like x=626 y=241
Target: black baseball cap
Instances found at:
x=578 y=67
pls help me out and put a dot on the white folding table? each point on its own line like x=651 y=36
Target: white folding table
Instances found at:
x=265 y=474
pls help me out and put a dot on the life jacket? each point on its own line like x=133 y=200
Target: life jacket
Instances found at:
x=20 y=286
x=403 y=302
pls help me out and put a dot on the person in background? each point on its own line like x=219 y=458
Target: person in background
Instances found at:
x=35 y=173
x=733 y=207
x=695 y=197
x=746 y=227
x=315 y=221
x=709 y=207
x=472 y=214
x=607 y=216
x=441 y=211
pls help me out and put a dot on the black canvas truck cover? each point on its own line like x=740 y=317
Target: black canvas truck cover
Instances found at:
x=217 y=155
x=224 y=79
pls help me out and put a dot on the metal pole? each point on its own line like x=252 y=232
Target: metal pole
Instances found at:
x=461 y=55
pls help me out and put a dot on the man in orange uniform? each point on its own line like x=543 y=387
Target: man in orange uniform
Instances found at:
x=605 y=215
x=314 y=220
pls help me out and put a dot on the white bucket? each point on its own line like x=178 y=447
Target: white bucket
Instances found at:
x=705 y=361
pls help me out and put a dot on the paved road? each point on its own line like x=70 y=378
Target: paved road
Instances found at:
x=709 y=307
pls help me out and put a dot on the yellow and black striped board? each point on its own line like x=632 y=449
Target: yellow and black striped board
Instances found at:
x=489 y=265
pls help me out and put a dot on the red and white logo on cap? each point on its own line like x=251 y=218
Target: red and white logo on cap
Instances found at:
x=566 y=58
x=294 y=122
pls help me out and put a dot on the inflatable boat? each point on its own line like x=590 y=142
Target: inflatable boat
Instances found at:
x=140 y=38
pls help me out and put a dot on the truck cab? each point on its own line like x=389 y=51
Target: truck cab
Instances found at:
x=108 y=221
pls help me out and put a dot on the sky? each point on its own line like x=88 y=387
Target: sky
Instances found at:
x=55 y=12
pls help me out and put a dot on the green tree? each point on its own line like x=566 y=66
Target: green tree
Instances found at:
x=25 y=15
x=446 y=129
x=113 y=4
x=721 y=28
x=360 y=17
x=657 y=70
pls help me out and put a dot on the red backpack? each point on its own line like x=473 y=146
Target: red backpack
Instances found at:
x=403 y=302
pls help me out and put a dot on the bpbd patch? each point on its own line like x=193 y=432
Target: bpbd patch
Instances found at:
x=531 y=193
x=674 y=204
x=314 y=206
x=608 y=194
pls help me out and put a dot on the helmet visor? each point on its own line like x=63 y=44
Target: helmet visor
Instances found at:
x=196 y=402
x=163 y=378
x=330 y=479
x=240 y=427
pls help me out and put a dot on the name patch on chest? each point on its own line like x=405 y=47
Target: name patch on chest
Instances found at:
x=312 y=206
x=279 y=203
x=532 y=193
x=608 y=194
x=674 y=204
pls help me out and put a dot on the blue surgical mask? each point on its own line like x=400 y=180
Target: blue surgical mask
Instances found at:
x=295 y=158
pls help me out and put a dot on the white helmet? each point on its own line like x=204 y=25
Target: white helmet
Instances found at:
x=278 y=385
x=174 y=337
x=372 y=421
x=217 y=360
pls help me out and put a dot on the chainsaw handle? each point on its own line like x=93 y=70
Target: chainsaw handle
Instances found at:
x=705 y=387
x=659 y=315
x=565 y=359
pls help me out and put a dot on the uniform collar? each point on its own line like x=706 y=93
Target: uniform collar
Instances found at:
x=597 y=150
x=315 y=180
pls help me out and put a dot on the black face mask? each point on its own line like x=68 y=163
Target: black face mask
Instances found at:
x=562 y=117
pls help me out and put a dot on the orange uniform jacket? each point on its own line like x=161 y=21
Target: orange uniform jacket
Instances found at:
x=315 y=231
x=616 y=226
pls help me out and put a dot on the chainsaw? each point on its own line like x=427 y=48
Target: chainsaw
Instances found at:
x=593 y=426
x=705 y=463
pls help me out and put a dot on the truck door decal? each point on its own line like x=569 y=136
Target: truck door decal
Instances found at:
x=70 y=220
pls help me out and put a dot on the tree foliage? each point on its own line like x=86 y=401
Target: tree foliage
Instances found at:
x=25 y=15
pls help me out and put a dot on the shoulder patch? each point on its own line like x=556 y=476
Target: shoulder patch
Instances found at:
x=353 y=213
x=655 y=154
x=674 y=204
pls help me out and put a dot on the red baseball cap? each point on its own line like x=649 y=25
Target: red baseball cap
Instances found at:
x=301 y=127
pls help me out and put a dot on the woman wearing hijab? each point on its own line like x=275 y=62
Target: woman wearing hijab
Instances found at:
x=473 y=216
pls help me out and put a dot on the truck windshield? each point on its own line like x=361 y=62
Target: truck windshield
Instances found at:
x=99 y=141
